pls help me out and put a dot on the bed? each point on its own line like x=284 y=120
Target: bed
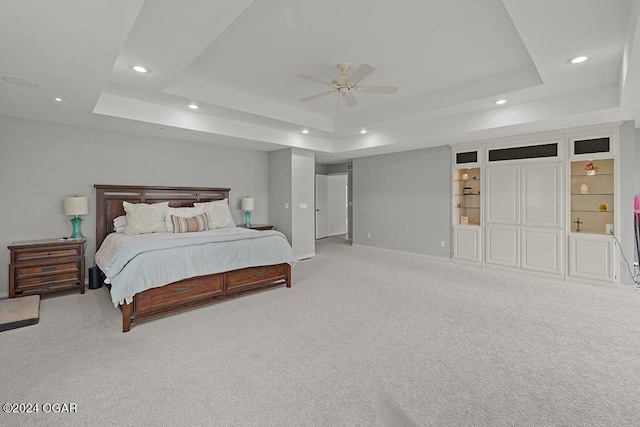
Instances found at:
x=190 y=292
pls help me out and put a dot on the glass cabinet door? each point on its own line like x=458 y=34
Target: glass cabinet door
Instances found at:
x=592 y=196
x=466 y=190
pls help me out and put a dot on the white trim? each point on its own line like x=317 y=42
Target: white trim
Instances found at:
x=305 y=256
x=355 y=245
x=4 y=295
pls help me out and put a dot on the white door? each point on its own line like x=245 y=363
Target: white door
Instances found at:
x=322 y=206
x=337 y=204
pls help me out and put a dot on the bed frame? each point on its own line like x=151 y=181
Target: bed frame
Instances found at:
x=188 y=293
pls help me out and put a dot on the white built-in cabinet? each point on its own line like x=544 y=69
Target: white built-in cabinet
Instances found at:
x=523 y=216
x=518 y=203
x=467 y=209
x=593 y=204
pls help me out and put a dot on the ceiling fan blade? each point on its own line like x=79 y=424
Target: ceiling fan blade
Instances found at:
x=377 y=89
x=313 y=79
x=360 y=73
x=309 y=98
x=350 y=99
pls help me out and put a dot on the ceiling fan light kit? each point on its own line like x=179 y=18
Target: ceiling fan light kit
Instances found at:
x=346 y=84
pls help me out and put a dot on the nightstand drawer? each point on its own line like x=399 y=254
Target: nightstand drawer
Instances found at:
x=22 y=272
x=47 y=280
x=46 y=253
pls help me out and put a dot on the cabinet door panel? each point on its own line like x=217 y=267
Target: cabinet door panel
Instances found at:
x=591 y=257
x=467 y=243
x=502 y=245
x=541 y=195
x=541 y=249
x=503 y=195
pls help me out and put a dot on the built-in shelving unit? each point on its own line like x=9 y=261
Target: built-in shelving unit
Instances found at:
x=467 y=204
x=467 y=196
x=592 y=196
x=546 y=203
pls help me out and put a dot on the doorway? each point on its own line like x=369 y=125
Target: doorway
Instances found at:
x=331 y=205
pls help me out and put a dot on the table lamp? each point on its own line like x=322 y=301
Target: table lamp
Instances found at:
x=247 y=207
x=76 y=206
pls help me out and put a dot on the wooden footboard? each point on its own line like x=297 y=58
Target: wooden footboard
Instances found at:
x=202 y=290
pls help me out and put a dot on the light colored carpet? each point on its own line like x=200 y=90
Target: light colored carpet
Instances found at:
x=364 y=337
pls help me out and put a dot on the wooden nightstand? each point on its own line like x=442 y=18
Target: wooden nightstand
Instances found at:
x=43 y=266
x=260 y=227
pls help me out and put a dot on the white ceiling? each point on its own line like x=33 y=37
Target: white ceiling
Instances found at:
x=239 y=60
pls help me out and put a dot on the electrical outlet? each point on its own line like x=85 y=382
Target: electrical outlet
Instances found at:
x=442 y=243
x=369 y=235
x=286 y=205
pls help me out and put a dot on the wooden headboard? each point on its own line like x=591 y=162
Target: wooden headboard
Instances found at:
x=109 y=200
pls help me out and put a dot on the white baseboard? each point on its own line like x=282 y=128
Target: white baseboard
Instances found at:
x=4 y=295
x=396 y=251
x=305 y=256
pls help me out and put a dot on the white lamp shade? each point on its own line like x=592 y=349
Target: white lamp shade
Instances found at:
x=247 y=203
x=76 y=205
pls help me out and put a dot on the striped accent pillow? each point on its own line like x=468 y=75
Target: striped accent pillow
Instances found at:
x=189 y=225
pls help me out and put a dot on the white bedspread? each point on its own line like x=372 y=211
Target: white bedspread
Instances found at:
x=134 y=263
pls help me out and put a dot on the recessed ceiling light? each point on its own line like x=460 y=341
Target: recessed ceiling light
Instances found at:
x=193 y=106
x=363 y=131
x=57 y=99
x=501 y=101
x=305 y=130
x=579 y=59
x=140 y=69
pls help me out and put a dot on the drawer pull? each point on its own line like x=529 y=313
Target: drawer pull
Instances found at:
x=50 y=268
x=182 y=291
x=48 y=253
x=49 y=279
x=258 y=274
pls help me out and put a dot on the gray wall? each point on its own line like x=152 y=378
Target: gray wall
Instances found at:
x=41 y=162
x=628 y=190
x=280 y=191
x=291 y=181
x=303 y=192
x=404 y=201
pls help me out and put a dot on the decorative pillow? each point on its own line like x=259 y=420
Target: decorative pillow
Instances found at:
x=189 y=225
x=119 y=223
x=143 y=218
x=218 y=214
x=183 y=212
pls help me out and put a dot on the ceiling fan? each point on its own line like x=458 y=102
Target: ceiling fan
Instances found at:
x=346 y=84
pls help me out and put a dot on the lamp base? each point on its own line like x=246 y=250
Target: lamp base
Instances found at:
x=76 y=223
x=247 y=219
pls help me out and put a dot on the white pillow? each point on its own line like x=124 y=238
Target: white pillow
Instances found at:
x=119 y=223
x=183 y=213
x=218 y=214
x=143 y=218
